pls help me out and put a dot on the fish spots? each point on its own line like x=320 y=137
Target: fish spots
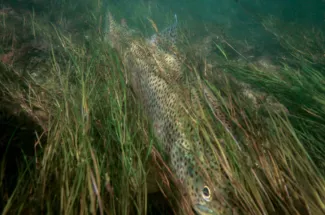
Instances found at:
x=154 y=71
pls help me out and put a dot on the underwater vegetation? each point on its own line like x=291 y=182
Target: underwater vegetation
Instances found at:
x=109 y=114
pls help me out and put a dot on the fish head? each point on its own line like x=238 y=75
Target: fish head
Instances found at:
x=205 y=204
x=207 y=198
x=203 y=199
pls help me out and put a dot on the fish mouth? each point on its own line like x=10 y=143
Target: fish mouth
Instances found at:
x=203 y=210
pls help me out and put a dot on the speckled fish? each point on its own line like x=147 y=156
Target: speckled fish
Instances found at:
x=149 y=70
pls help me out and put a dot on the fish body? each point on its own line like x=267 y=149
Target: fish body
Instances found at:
x=151 y=71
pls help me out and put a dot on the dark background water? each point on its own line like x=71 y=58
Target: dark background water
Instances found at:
x=240 y=19
x=235 y=14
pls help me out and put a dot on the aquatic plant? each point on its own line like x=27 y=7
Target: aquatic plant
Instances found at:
x=91 y=149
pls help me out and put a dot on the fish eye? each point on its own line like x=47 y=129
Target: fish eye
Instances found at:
x=206 y=194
